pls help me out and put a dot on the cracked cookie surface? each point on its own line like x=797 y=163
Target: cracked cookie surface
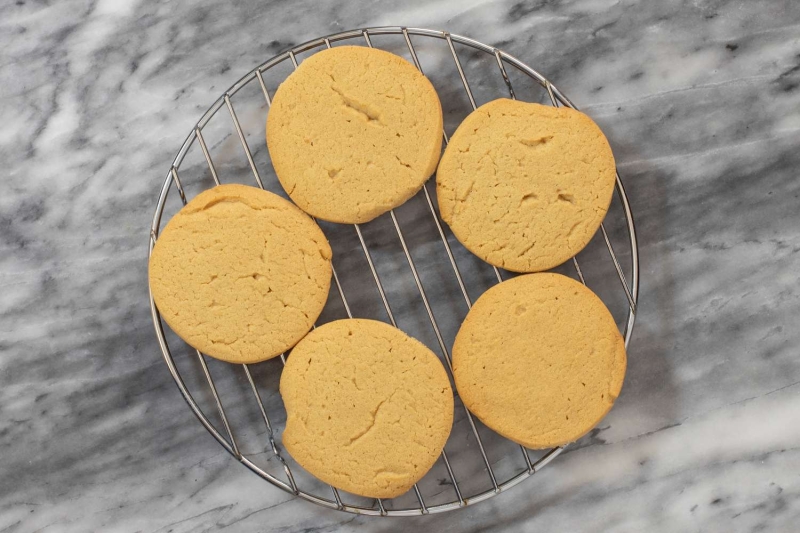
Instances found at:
x=353 y=133
x=539 y=359
x=240 y=274
x=369 y=408
x=525 y=186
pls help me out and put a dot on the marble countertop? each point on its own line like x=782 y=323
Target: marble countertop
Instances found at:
x=701 y=103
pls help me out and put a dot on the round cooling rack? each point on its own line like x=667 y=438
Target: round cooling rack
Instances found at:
x=461 y=484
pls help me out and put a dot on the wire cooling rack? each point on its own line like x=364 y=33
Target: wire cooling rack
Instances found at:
x=486 y=471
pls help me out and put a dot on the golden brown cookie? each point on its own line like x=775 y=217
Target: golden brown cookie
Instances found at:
x=369 y=409
x=353 y=133
x=240 y=273
x=525 y=186
x=539 y=360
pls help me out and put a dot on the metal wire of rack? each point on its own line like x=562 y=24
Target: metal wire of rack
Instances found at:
x=226 y=438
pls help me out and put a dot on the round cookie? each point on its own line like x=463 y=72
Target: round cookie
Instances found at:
x=368 y=408
x=240 y=274
x=353 y=133
x=539 y=360
x=525 y=186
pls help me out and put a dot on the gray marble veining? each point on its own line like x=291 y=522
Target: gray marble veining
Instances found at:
x=701 y=102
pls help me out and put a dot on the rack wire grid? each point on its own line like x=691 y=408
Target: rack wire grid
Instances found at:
x=459 y=485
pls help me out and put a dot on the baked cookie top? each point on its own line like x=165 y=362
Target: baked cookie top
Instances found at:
x=525 y=186
x=353 y=133
x=539 y=359
x=369 y=408
x=240 y=273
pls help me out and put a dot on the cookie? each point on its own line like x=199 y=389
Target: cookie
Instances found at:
x=368 y=408
x=353 y=133
x=539 y=360
x=525 y=186
x=240 y=274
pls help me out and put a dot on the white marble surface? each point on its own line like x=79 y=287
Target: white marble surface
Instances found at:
x=701 y=101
